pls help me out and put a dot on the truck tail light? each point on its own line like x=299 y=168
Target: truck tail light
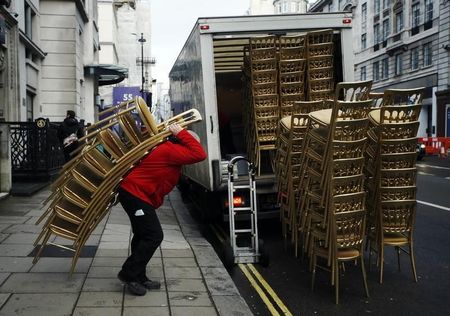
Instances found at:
x=237 y=201
x=204 y=27
x=347 y=21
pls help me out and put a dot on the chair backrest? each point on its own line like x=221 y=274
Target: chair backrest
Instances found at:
x=401 y=105
x=353 y=91
x=146 y=116
x=348 y=229
x=397 y=216
x=292 y=47
x=112 y=143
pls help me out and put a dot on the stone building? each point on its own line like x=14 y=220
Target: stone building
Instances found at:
x=402 y=44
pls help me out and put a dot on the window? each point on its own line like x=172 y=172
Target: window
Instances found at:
x=279 y=8
x=29 y=16
x=363 y=73
x=363 y=41
x=398 y=21
x=376 y=33
x=330 y=7
x=29 y=105
x=376 y=71
x=386 y=4
x=415 y=58
x=340 y=5
x=385 y=29
x=427 y=55
x=293 y=6
x=428 y=10
x=415 y=15
x=398 y=64
x=364 y=13
x=376 y=6
x=385 y=68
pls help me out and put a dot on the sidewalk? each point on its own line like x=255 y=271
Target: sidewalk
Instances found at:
x=194 y=281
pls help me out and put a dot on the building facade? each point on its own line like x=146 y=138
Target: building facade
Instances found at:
x=290 y=6
x=125 y=41
x=401 y=44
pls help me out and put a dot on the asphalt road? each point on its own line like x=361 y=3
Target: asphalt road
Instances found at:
x=290 y=278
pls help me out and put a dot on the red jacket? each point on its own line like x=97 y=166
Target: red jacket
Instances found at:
x=159 y=171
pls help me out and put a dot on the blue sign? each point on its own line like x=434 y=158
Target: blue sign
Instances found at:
x=124 y=94
x=448 y=121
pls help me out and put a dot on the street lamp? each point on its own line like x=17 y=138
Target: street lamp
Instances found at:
x=142 y=41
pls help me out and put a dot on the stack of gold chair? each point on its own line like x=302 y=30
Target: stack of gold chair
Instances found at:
x=391 y=173
x=291 y=74
x=320 y=65
x=296 y=127
x=86 y=187
x=264 y=110
x=332 y=208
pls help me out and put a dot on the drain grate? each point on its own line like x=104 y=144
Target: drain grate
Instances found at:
x=52 y=251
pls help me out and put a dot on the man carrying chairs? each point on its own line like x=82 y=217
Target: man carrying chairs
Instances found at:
x=142 y=191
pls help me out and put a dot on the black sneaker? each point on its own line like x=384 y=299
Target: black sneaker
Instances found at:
x=134 y=288
x=151 y=285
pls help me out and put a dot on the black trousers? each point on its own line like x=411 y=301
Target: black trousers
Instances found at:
x=147 y=236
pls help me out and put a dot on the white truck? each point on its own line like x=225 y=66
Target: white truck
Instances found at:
x=207 y=75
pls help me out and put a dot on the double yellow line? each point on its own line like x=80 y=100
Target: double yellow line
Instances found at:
x=256 y=279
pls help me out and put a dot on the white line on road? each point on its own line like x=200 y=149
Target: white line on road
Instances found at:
x=434 y=205
x=430 y=166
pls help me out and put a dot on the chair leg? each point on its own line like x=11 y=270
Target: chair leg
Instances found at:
x=381 y=263
x=314 y=263
x=413 y=263
x=398 y=256
x=336 y=282
x=363 y=271
x=41 y=248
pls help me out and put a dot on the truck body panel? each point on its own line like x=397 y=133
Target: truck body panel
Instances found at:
x=206 y=76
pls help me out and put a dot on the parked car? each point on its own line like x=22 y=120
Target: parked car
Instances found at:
x=420 y=149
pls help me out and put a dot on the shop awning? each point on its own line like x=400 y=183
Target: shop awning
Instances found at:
x=106 y=73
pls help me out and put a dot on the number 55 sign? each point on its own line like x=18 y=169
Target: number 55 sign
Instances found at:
x=124 y=94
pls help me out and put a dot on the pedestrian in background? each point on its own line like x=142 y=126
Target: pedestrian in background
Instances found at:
x=142 y=191
x=69 y=132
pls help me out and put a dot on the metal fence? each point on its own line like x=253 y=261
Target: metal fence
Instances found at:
x=36 y=152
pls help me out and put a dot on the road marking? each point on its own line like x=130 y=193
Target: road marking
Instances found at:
x=425 y=173
x=430 y=166
x=258 y=289
x=434 y=205
x=269 y=290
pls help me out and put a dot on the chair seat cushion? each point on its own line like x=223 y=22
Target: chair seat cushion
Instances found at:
x=395 y=239
x=286 y=122
x=322 y=116
x=374 y=116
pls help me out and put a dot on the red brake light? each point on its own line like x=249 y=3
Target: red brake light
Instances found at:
x=347 y=21
x=204 y=27
x=237 y=201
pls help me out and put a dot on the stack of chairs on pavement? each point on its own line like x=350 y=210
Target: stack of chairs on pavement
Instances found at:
x=86 y=187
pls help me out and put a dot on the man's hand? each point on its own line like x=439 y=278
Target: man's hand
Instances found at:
x=174 y=128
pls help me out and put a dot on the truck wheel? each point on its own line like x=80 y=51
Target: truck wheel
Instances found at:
x=263 y=255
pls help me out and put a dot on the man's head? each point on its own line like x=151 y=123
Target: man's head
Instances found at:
x=194 y=134
x=70 y=114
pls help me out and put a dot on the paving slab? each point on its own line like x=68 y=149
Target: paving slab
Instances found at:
x=152 y=298
x=178 y=253
x=97 y=311
x=206 y=256
x=33 y=304
x=146 y=311
x=231 y=306
x=21 y=239
x=183 y=273
x=108 y=262
x=12 y=219
x=3 y=236
x=122 y=253
x=43 y=283
x=193 y=311
x=15 y=264
x=180 y=262
x=102 y=285
x=181 y=285
x=3 y=298
x=59 y=265
x=100 y=299
x=4 y=227
x=113 y=245
x=191 y=298
x=15 y=250
x=3 y=276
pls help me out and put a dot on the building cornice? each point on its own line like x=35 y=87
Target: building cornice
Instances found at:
x=31 y=45
x=9 y=17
